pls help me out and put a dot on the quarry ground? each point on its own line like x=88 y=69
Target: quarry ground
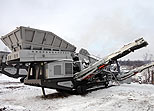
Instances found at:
x=15 y=96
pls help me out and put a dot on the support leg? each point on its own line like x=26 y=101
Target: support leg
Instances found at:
x=43 y=92
x=116 y=80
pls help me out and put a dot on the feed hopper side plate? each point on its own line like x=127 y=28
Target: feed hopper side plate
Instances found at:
x=34 y=39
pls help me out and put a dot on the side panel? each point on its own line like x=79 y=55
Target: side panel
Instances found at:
x=59 y=69
x=38 y=55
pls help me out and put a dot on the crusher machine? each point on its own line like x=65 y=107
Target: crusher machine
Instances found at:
x=52 y=62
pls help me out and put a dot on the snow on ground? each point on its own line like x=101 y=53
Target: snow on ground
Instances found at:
x=15 y=96
x=4 y=78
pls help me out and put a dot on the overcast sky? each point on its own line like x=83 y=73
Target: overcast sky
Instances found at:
x=100 y=26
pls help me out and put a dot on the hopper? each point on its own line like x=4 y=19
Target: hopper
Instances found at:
x=34 y=39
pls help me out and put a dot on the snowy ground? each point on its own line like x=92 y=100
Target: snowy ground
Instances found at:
x=15 y=96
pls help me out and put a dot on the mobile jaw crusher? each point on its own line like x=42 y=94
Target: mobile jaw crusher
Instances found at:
x=51 y=62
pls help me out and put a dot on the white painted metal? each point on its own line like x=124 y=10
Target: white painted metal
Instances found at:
x=38 y=55
x=34 y=39
x=66 y=84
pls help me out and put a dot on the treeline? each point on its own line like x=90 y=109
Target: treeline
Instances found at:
x=135 y=63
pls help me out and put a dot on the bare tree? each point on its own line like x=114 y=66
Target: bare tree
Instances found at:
x=150 y=57
x=147 y=57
